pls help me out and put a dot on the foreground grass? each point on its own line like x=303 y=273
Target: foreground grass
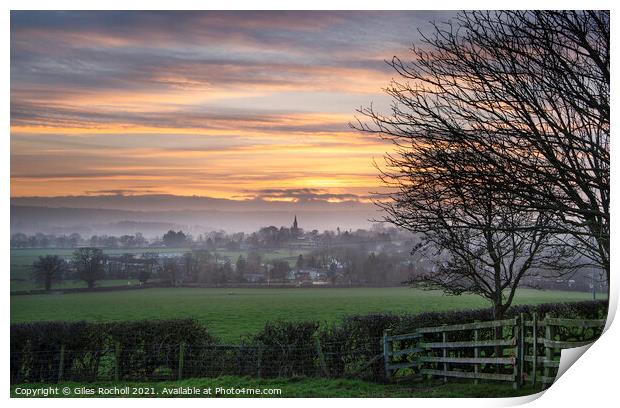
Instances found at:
x=295 y=387
x=232 y=313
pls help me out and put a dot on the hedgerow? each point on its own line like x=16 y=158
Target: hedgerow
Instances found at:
x=144 y=349
x=151 y=350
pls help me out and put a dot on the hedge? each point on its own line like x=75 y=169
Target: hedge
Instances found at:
x=146 y=349
x=150 y=350
x=286 y=349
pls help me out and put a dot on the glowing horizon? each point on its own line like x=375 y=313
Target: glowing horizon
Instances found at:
x=214 y=104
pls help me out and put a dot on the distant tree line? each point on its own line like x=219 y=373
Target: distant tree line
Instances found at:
x=75 y=240
x=359 y=265
x=367 y=263
x=270 y=237
x=41 y=240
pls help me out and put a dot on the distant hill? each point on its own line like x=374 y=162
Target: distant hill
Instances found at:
x=156 y=214
x=163 y=202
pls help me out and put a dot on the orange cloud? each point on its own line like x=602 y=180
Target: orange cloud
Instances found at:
x=219 y=104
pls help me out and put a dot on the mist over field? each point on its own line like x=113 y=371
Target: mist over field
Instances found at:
x=153 y=215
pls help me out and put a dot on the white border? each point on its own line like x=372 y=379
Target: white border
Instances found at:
x=592 y=380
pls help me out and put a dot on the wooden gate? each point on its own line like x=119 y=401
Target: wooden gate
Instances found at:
x=510 y=350
x=542 y=346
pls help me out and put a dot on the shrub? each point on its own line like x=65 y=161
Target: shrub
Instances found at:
x=35 y=350
x=364 y=344
x=148 y=349
x=287 y=349
x=569 y=310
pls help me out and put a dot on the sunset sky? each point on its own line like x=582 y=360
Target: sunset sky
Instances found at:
x=222 y=104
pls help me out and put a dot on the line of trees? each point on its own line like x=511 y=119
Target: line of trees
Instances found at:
x=500 y=123
x=350 y=265
x=48 y=270
x=88 y=264
x=75 y=240
x=265 y=238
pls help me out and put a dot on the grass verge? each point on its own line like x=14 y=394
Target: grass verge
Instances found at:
x=231 y=386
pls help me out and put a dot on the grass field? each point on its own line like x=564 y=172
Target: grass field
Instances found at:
x=232 y=313
x=22 y=259
x=71 y=284
x=298 y=387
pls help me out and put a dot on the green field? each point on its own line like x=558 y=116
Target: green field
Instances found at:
x=232 y=313
x=22 y=259
x=28 y=285
x=301 y=387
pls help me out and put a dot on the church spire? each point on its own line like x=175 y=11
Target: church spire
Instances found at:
x=295 y=230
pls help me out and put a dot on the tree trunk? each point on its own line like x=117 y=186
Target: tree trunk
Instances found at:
x=498 y=314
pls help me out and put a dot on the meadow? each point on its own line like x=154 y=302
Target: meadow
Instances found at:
x=233 y=313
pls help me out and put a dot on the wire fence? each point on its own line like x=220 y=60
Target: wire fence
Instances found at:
x=172 y=362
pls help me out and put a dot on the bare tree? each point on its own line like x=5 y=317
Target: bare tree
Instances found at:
x=484 y=242
x=150 y=266
x=90 y=263
x=171 y=271
x=525 y=96
x=48 y=269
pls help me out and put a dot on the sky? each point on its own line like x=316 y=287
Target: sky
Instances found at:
x=236 y=105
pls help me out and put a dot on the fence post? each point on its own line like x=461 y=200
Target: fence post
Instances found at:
x=321 y=357
x=445 y=354
x=516 y=333
x=61 y=363
x=476 y=355
x=240 y=360
x=387 y=350
x=548 y=350
x=117 y=360
x=534 y=347
x=521 y=347
x=181 y=359
x=259 y=360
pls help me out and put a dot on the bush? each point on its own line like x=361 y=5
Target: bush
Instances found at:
x=35 y=350
x=287 y=349
x=147 y=349
x=571 y=310
x=364 y=343
x=150 y=349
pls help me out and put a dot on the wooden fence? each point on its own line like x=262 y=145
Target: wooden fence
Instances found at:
x=511 y=350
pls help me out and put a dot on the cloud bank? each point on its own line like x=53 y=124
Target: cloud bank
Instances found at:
x=221 y=104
